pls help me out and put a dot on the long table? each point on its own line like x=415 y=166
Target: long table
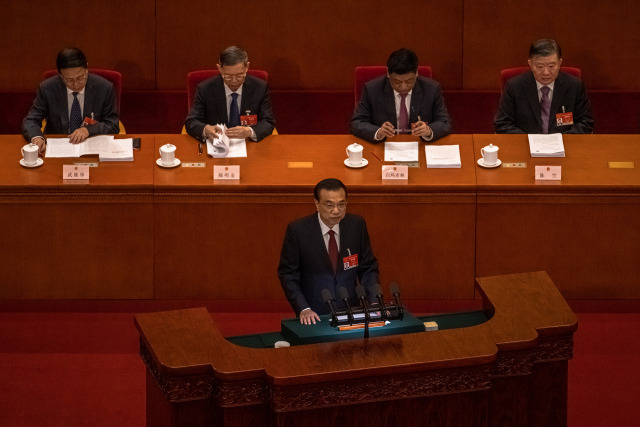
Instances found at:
x=136 y=230
x=509 y=370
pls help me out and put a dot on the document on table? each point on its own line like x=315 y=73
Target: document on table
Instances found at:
x=401 y=151
x=61 y=147
x=546 y=145
x=443 y=156
x=225 y=147
x=118 y=150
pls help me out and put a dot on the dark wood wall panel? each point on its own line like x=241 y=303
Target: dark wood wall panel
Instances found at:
x=598 y=37
x=116 y=34
x=309 y=45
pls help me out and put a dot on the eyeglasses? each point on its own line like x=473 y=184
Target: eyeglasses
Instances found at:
x=331 y=206
x=72 y=80
x=230 y=77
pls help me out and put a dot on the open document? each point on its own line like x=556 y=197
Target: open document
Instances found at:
x=401 y=151
x=549 y=145
x=105 y=146
x=443 y=156
x=222 y=146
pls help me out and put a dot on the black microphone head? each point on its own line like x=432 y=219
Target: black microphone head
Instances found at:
x=395 y=290
x=360 y=292
x=326 y=295
x=343 y=294
x=377 y=289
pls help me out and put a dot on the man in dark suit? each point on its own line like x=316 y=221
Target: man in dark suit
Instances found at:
x=326 y=250
x=401 y=102
x=64 y=100
x=224 y=98
x=545 y=99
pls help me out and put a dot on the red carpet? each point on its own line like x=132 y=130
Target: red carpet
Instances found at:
x=82 y=369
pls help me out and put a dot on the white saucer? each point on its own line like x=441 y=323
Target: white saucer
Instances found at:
x=176 y=162
x=481 y=163
x=364 y=163
x=39 y=162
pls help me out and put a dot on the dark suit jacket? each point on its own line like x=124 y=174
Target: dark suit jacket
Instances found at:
x=51 y=104
x=210 y=106
x=305 y=269
x=377 y=106
x=519 y=110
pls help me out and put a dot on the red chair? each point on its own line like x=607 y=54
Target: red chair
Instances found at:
x=113 y=76
x=508 y=73
x=196 y=77
x=365 y=73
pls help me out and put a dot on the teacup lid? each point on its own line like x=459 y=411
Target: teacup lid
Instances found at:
x=491 y=148
x=355 y=146
x=169 y=146
x=30 y=147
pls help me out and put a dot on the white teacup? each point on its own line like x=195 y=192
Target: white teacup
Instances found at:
x=168 y=154
x=281 y=344
x=30 y=154
x=490 y=154
x=354 y=151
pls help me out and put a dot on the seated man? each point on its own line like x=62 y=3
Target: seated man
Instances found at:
x=401 y=102
x=545 y=100
x=75 y=103
x=224 y=98
x=313 y=251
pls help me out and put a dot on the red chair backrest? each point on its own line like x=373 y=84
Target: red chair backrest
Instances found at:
x=508 y=73
x=113 y=76
x=196 y=77
x=365 y=73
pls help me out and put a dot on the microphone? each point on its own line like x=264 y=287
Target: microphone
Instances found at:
x=328 y=299
x=362 y=296
x=395 y=291
x=344 y=297
x=377 y=289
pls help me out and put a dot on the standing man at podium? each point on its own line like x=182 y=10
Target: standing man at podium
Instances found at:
x=326 y=250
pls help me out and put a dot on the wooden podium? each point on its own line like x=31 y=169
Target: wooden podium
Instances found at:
x=510 y=370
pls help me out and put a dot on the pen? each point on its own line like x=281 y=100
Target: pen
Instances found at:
x=199 y=147
x=376 y=156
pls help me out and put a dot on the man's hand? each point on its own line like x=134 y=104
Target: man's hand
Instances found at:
x=239 y=132
x=79 y=135
x=421 y=129
x=386 y=131
x=308 y=317
x=211 y=131
x=40 y=142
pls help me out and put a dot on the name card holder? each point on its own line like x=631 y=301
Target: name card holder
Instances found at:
x=75 y=172
x=395 y=172
x=548 y=173
x=226 y=173
x=193 y=164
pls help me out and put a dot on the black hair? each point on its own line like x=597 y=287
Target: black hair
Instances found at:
x=545 y=47
x=329 y=184
x=71 y=57
x=402 y=61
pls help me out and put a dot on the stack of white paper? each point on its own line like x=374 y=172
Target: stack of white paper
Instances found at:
x=443 y=156
x=546 y=145
x=118 y=150
x=222 y=146
x=108 y=148
x=405 y=151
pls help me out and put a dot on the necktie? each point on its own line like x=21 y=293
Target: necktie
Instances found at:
x=545 y=107
x=403 y=118
x=333 y=251
x=75 y=120
x=234 y=111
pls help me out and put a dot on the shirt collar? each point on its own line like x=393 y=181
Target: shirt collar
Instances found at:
x=550 y=85
x=228 y=92
x=325 y=229
x=396 y=93
x=69 y=91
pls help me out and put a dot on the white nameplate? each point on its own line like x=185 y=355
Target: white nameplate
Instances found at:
x=395 y=172
x=226 y=172
x=75 y=172
x=548 y=173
